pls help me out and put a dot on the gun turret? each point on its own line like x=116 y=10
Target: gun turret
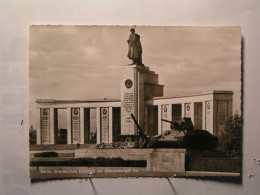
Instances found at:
x=174 y=125
x=185 y=125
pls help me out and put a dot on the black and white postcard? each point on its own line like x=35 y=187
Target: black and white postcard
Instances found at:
x=134 y=101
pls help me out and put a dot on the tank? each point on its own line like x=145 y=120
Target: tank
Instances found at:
x=173 y=138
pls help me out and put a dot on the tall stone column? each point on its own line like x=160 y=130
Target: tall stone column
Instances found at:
x=75 y=125
x=138 y=83
x=81 y=141
x=38 y=125
x=68 y=125
x=129 y=100
x=166 y=114
x=110 y=136
x=51 y=125
x=159 y=119
x=44 y=125
x=98 y=125
x=203 y=115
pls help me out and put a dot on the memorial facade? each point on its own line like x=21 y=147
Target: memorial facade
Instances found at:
x=141 y=95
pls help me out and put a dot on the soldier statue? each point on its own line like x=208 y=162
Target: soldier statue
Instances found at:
x=135 y=48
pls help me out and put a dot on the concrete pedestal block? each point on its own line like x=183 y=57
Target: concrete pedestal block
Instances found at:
x=137 y=84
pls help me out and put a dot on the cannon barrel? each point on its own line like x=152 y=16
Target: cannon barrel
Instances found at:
x=140 y=131
x=174 y=125
x=172 y=122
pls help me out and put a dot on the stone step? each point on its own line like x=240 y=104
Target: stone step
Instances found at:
x=60 y=147
x=35 y=159
x=66 y=154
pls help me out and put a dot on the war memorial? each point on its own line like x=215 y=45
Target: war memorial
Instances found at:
x=141 y=111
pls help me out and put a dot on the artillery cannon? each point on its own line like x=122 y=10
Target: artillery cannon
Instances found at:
x=144 y=141
x=129 y=141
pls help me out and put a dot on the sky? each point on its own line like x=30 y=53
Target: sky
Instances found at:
x=84 y=62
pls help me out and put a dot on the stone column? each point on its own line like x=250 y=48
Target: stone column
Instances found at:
x=165 y=114
x=75 y=125
x=81 y=136
x=110 y=115
x=169 y=115
x=104 y=124
x=68 y=125
x=203 y=115
x=209 y=116
x=38 y=125
x=183 y=110
x=44 y=126
x=159 y=118
x=192 y=112
x=129 y=100
x=98 y=125
x=51 y=125
x=138 y=83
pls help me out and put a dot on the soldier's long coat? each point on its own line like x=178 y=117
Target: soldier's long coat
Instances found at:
x=135 y=47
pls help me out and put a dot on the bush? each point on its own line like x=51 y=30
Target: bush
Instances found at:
x=230 y=138
x=46 y=154
x=91 y=162
x=200 y=140
x=32 y=136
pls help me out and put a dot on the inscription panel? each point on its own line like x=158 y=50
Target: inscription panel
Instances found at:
x=188 y=110
x=75 y=122
x=207 y=121
x=104 y=125
x=45 y=125
x=129 y=101
x=128 y=104
x=164 y=115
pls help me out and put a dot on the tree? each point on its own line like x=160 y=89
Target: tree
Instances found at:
x=230 y=138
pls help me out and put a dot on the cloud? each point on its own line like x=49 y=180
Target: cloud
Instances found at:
x=82 y=65
x=91 y=51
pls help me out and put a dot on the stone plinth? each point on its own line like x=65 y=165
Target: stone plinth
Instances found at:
x=159 y=159
x=137 y=84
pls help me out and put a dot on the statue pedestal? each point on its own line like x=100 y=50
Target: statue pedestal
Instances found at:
x=138 y=83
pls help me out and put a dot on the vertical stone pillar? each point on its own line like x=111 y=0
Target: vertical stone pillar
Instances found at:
x=38 y=125
x=209 y=116
x=75 y=125
x=147 y=120
x=98 y=125
x=51 y=125
x=159 y=118
x=137 y=85
x=110 y=136
x=192 y=112
x=129 y=100
x=68 y=125
x=165 y=114
x=170 y=115
x=44 y=126
x=187 y=110
x=183 y=110
x=203 y=115
x=104 y=124
x=81 y=141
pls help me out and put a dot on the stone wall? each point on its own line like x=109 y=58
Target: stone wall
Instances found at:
x=213 y=164
x=163 y=160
